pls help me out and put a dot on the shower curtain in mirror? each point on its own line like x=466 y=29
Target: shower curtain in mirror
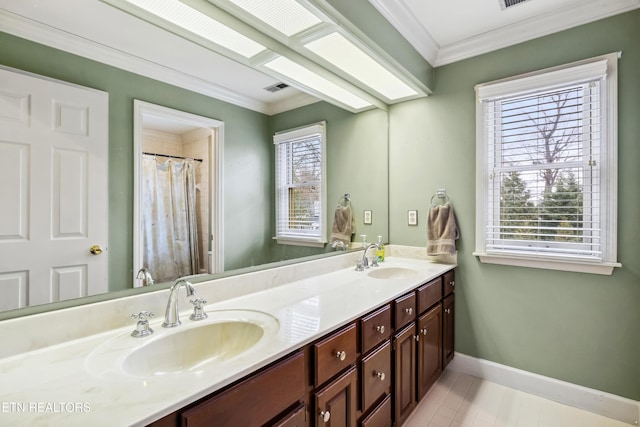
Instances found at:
x=169 y=222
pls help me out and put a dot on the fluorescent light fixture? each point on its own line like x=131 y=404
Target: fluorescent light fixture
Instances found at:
x=286 y=16
x=336 y=49
x=298 y=73
x=202 y=25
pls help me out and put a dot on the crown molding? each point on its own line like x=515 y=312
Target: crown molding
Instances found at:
x=530 y=29
x=37 y=32
x=405 y=22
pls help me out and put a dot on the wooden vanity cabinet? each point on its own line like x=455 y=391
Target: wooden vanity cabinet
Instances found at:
x=369 y=373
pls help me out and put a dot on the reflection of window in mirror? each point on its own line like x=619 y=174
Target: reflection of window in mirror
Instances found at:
x=301 y=185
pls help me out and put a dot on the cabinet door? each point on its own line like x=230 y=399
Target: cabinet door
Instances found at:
x=404 y=391
x=448 y=308
x=336 y=403
x=429 y=349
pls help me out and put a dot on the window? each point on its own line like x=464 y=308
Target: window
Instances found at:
x=300 y=186
x=547 y=168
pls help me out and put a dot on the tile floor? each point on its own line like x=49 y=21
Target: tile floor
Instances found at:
x=459 y=400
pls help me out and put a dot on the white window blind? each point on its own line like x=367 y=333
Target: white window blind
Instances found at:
x=546 y=166
x=300 y=185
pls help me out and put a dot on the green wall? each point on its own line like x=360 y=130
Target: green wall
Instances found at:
x=356 y=164
x=247 y=156
x=575 y=327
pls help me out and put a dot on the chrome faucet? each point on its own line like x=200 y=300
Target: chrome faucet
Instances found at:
x=364 y=262
x=171 y=317
x=339 y=244
x=145 y=275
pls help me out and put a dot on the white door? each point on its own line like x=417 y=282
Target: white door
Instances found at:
x=53 y=190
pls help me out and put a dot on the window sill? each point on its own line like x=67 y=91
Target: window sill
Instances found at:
x=300 y=241
x=604 y=268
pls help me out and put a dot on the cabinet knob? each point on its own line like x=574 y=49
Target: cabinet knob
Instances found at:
x=447 y=310
x=416 y=337
x=452 y=283
x=380 y=375
x=341 y=355
x=423 y=331
x=380 y=329
x=408 y=310
x=325 y=415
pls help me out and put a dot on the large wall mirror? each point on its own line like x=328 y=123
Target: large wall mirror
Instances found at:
x=357 y=164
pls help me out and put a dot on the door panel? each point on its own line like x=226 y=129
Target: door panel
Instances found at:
x=54 y=190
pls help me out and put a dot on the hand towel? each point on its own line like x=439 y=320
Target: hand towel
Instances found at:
x=343 y=225
x=442 y=230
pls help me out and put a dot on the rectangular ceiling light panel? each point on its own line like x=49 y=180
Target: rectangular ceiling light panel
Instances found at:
x=342 y=53
x=202 y=25
x=298 y=73
x=286 y=16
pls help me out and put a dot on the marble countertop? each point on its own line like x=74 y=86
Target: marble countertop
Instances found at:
x=57 y=385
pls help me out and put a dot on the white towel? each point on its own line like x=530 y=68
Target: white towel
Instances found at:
x=343 y=225
x=442 y=230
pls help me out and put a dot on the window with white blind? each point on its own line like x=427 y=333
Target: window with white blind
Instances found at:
x=300 y=186
x=547 y=168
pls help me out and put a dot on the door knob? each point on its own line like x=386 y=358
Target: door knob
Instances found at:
x=95 y=249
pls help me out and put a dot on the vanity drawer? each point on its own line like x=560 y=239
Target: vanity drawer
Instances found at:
x=376 y=375
x=284 y=380
x=429 y=294
x=375 y=328
x=380 y=417
x=449 y=282
x=405 y=310
x=335 y=353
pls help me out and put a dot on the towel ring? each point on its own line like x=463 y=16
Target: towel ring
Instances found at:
x=440 y=194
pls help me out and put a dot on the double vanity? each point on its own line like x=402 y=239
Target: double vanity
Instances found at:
x=305 y=344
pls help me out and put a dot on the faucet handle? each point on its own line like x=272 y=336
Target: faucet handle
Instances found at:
x=142 y=327
x=143 y=315
x=198 y=309
x=374 y=261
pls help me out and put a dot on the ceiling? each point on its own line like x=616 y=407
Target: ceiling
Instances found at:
x=441 y=31
x=448 y=31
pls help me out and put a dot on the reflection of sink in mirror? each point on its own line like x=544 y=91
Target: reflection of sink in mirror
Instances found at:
x=193 y=346
x=392 y=273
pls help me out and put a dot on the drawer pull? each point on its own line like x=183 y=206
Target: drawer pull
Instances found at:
x=380 y=375
x=380 y=329
x=408 y=310
x=452 y=283
x=447 y=310
x=325 y=415
x=341 y=355
x=423 y=331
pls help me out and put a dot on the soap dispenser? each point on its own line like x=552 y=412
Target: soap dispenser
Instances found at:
x=380 y=250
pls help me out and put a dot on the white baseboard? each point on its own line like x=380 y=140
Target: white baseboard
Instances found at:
x=599 y=402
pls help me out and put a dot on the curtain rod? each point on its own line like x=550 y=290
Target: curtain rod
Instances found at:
x=171 y=157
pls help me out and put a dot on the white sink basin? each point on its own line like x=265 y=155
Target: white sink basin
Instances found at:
x=392 y=273
x=190 y=347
